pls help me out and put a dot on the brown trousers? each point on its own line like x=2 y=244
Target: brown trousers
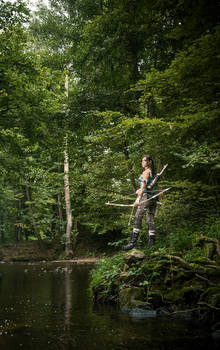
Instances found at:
x=149 y=208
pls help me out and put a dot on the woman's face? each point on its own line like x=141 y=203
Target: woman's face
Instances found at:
x=144 y=162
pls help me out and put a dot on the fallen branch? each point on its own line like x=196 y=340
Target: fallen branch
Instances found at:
x=177 y=258
x=213 y=267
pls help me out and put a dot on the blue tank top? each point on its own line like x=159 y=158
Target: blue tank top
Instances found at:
x=148 y=182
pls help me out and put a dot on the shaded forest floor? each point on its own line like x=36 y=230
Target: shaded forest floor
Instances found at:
x=83 y=252
x=27 y=251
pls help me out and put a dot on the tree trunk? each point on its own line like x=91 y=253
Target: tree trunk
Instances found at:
x=69 y=222
x=2 y=230
x=60 y=209
x=36 y=230
x=60 y=212
x=68 y=247
x=131 y=176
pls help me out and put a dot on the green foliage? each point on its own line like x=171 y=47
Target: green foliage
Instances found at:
x=143 y=78
x=184 y=239
x=13 y=14
x=211 y=227
x=185 y=96
x=104 y=274
x=119 y=243
x=30 y=96
x=181 y=240
x=193 y=254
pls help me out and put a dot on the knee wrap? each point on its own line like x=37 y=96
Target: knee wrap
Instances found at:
x=151 y=233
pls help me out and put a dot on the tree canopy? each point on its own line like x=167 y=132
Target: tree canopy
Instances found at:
x=143 y=78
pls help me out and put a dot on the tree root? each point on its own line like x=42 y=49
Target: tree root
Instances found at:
x=205 y=279
x=208 y=305
x=205 y=239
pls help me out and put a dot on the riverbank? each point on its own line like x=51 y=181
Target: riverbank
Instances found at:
x=159 y=282
x=49 y=251
x=27 y=251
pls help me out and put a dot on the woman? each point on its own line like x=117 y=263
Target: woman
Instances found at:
x=144 y=206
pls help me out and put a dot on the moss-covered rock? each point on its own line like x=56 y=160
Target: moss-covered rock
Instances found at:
x=134 y=255
x=163 y=281
x=131 y=301
x=211 y=247
x=124 y=277
x=212 y=297
x=127 y=296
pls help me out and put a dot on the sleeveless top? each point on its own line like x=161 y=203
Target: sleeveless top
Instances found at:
x=150 y=178
x=149 y=193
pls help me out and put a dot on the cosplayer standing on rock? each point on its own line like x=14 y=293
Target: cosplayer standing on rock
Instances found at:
x=144 y=206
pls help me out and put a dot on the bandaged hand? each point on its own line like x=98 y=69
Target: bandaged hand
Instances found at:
x=137 y=202
x=138 y=192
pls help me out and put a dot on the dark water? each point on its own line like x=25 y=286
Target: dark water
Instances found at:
x=49 y=306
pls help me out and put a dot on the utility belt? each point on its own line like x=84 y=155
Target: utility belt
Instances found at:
x=150 y=194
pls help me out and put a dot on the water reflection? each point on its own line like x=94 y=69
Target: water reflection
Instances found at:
x=49 y=306
x=68 y=297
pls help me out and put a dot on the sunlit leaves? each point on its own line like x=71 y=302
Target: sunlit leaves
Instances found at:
x=12 y=13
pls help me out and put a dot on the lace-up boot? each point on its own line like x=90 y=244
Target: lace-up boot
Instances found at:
x=133 y=240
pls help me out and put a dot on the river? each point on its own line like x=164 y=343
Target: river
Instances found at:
x=48 y=306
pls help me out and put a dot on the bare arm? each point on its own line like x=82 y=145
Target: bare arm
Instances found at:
x=140 y=192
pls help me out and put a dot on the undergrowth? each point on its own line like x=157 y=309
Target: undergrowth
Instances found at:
x=182 y=243
x=104 y=273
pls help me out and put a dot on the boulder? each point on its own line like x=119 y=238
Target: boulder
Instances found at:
x=134 y=255
x=128 y=295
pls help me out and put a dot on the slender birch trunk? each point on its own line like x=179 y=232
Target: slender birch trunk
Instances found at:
x=69 y=223
x=60 y=209
x=67 y=201
x=60 y=213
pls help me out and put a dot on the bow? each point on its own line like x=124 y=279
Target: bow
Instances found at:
x=120 y=205
x=153 y=182
x=132 y=205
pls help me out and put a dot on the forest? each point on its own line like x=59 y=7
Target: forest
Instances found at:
x=86 y=88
